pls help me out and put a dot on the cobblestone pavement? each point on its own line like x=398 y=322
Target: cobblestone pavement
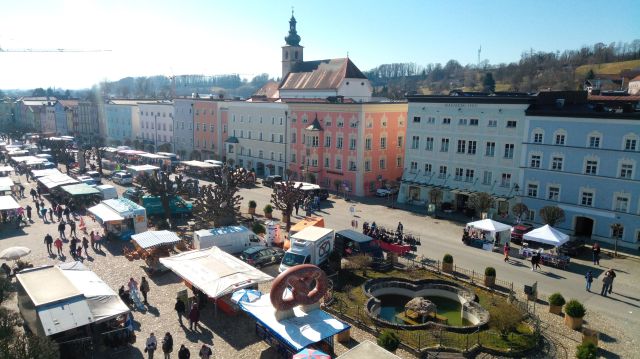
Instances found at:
x=233 y=337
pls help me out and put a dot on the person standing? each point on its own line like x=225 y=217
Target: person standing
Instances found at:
x=92 y=237
x=58 y=245
x=72 y=231
x=61 y=227
x=29 y=209
x=184 y=353
x=72 y=248
x=612 y=274
x=194 y=316
x=180 y=309
x=205 y=352
x=48 y=240
x=43 y=214
x=85 y=245
x=50 y=214
x=58 y=211
x=133 y=285
x=167 y=345
x=606 y=284
x=37 y=207
x=297 y=206
x=67 y=213
x=151 y=345
x=589 y=279
x=39 y=192
x=33 y=194
x=506 y=251
x=596 y=253
x=144 y=289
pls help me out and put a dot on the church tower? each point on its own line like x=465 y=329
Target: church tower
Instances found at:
x=292 y=51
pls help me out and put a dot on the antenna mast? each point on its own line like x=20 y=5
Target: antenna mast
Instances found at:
x=479 y=51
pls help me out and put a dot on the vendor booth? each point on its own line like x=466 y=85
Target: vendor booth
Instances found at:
x=197 y=168
x=120 y=217
x=45 y=172
x=215 y=273
x=82 y=194
x=549 y=236
x=136 y=171
x=6 y=186
x=8 y=203
x=487 y=234
x=71 y=305
x=47 y=183
x=153 y=245
x=5 y=171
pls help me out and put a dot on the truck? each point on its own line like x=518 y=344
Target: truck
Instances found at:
x=312 y=245
x=177 y=205
x=231 y=239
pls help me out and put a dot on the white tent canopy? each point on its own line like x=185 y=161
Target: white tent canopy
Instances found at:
x=547 y=235
x=7 y=202
x=489 y=225
x=214 y=272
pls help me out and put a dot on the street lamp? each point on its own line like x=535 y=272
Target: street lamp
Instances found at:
x=616 y=231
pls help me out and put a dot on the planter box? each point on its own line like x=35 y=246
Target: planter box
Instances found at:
x=447 y=267
x=252 y=211
x=555 y=309
x=268 y=215
x=590 y=336
x=489 y=281
x=573 y=323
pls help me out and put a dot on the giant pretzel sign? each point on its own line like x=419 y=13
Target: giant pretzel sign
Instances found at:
x=299 y=279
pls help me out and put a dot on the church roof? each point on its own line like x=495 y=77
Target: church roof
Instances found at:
x=320 y=75
x=268 y=90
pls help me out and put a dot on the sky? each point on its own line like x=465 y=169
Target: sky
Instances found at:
x=211 y=37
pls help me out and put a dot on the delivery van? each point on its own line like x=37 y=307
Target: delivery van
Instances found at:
x=231 y=239
x=107 y=191
x=311 y=245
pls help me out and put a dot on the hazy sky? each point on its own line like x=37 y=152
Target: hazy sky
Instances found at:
x=149 y=37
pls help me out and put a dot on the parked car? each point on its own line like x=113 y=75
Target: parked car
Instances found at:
x=386 y=192
x=122 y=178
x=519 y=230
x=573 y=247
x=133 y=194
x=260 y=256
x=270 y=180
x=86 y=179
x=95 y=175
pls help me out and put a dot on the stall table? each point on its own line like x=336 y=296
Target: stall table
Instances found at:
x=153 y=245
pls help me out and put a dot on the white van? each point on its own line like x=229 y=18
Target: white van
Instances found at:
x=107 y=191
x=232 y=239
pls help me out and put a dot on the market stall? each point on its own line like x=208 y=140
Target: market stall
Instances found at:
x=5 y=171
x=197 y=168
x=120 y=217
x=46 y=172
x=215 y=273
x=82 y=194
x=153 y=245
x=47 y=183
x=493 y=234
x=7 y=203
x=549 y=236
x=136 y=171
x=6 y=186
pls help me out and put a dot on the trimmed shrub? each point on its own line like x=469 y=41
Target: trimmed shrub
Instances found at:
x=587 y=351
x=448 y=258
x=574 y=309
x=258 y=228
x=556 y=299
x=268 y=209
x=490 y=272
x=389 y=340
x=253 y=204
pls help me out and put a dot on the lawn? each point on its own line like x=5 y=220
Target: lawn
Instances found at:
x=612 y=68
x=350 y=300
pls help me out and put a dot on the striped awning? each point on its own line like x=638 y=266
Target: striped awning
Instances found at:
x=152 y=239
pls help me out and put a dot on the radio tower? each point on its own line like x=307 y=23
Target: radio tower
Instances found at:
x=479 y=51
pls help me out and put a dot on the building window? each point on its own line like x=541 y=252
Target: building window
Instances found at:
x=427 y=168
x=594 y=141
x=491 y=149
x=367 y=165
x=352 y=165
x=446 y=121
x=367 y=143
x=586 y=198
x=352 y=143
x=314 y=163
x=473 y=122
x=486 y=177
x=506 y=180
x=530 y=215
x=429 y=146
x=444 y=145
x=512 y=124
x=538 y=137
x=431 y=120
x=472 y=148
x=553 y=193
x=591 y=167
x=273 y=156
x=462 y=122
x=339 y=142
x=383 y=143
x=508 y=150
x=293 y=137
x=621 y=204
x=492 y=123
x=281 y=137
x=461 y=146
x=399 y=162
x=535 y=161
x=413 y=167
x=560 y=138
x=626 y=170
x=327 y=141
x=617 y=231
x=468 y=176
x=556 y=163
x=293 y=158
x=415 y=142
x=532 y=190
x=416 y=119
x=458 y=174
x=400 y=141
x=340 y=123
x=260 y=154
x=338 y=163
x=315 y=141
x=442 y=172
x=383 y=164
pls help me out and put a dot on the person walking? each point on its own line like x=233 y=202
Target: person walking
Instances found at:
x=50 y=214
x=33 y=194
x=58 y=211
x=92 y=237
x=48 y=240
x=144 y=289
x=596 y=253
x=606 y=284
x=194 y=316
x=29 y=209
x=43 y=214
x=506 y=251
x=180 y=309
x=151 y=345
x=39 y=191
x=72 y=231
x=167 y=345
x=61 y=227
x=205 y=352
x=538 y=259
x=589 y=279
x=58 y=245
x=72 y=248
x=37 y=207
x=612 y=274
x=85 y=245
x=67 y=213
x=184 y=353
x=21 y=187
x=297 y=206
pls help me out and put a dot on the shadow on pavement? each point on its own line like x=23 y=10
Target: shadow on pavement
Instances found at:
x=238 y=331
x=582 y=269
x=606 y=338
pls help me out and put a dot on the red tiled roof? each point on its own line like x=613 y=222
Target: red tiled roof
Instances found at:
x=269 y=90
x=320 y=75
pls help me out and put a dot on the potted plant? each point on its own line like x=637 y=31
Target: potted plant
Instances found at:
x=447 y=263
x=574 y=311
x=587 y=351
x=556 y=301
x=268 y=210
x=489 y=277
x=252 y=207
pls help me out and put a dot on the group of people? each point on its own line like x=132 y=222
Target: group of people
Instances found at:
x=607 y=281
x=76 y=245
x=382 y=234
x=167 y=348
x=130 y=295
x=194 y=313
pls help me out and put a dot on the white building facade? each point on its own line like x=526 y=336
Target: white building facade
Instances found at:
x=156 y=125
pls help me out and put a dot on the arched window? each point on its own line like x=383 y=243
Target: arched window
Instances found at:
x=594 y=139
x=286 y=55
x=295 y=54
x=560 y=137
x=537 y=135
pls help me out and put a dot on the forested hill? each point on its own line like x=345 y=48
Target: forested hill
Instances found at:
x=535 y=71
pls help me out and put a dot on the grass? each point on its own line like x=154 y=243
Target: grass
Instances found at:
x=351 y=299
x=608 y=68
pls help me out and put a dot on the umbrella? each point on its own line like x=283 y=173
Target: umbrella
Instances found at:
x=311 y=354
x=14 y=253
x=246 y=295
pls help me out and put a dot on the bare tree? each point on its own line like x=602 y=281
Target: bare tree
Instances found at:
x=519 y=210
x=159 y=184
x=284 y=197
x=481 y=202
x=435 y=196
x=219 y=204
x=552 y=215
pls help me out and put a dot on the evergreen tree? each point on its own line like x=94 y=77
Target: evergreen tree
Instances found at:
x=489 y=84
